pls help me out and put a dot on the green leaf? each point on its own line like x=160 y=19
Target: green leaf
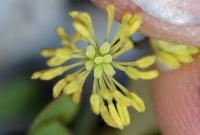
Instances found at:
x=51 y=128
x=63 y=108
x=17 y=98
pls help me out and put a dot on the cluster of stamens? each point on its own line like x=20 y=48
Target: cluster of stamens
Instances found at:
x=100 y=59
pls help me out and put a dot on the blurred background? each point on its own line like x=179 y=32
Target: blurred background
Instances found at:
x=27 y=106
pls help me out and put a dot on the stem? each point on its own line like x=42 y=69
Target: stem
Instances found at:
x=116 y=47
x=116 y=37
x=102 y=83
x=108 y=83
x=132 y=63
x=78 y=71
x=94 y=91
x=118 y=66
x=120 y=86
x=78 y=55
x=68 y=67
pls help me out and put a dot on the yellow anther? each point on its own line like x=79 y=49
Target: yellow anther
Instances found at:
x=105 y=48
x=137 y=102
x=58 y=87
x=89 y=65
x=98 y=71
x=146 y=61
x=108 y=69
x=115 y=115
x=98 y=60
x=107 y=58
x=72 y=87
x=95 y=103
x=90 y=52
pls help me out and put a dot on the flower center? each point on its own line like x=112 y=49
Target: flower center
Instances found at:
x=100 y=59
x=101 y=55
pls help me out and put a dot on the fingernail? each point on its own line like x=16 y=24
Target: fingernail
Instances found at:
x=177 y=12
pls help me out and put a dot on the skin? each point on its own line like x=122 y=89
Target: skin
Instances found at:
x=175 y=94
x=153 y=27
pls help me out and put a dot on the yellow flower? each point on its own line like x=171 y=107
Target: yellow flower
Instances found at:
x=173 y=55
x=109 y=98
x=60 y=55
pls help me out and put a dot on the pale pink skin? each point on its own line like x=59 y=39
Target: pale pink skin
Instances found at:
x=175 y=94
x=156 y=28
x=176 y=100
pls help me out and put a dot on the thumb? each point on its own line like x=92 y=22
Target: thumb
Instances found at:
x=176 y=100
x=157 y=28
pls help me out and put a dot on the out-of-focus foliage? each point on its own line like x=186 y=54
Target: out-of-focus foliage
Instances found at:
x=60 y=110
x=17 y=97
x=52 y=128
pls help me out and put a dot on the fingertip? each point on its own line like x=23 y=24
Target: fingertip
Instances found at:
x=153 y=27
x=176 y=100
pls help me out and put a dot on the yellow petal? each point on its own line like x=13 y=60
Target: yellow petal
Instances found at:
x=123 y=113
x=105 y=48
x=62 y=55
x=114 y=114
x=146 y=61
x=107 y=118
x=119 y=97
x=55 y=61
x=184 y=51
x=95 y=103
x=168 y=60
x=76 y=97
x=75 y=37
x=106 y=94
x=85 y=20
x=58 y=87
x=83 y=30
x=121 y=47
x=61 y=33
x=126 y=17
x=137 y=102
x=110 y=9
x=174 y=48
x=49 y=74
x=52 y=73
x=130 y=24
x=135 y=23
x=72 y=87
x=48 y=52
x=82 y=17
x=184 y=58
x=146 y=75
x=131 y=72
x=171 y=47
x=193 y=49
x=36 y=75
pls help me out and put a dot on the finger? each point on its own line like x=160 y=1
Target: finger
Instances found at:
x=156 y=28
x=176 y=100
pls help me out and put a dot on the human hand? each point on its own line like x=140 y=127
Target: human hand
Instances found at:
x=175 y=94
x=161 y=27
